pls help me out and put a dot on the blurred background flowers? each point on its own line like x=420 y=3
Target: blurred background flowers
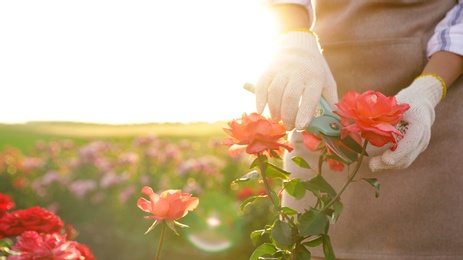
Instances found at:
x=93 y=183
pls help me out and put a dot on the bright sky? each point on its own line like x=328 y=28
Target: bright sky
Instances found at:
x=130 y=61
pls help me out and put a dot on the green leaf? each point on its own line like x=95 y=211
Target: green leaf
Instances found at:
x=324 y=200
x=252 y=175
x=281 y=233
x=336 y=158
x=352 y=144
x=353 y=156
x=276 y=199
x=318 y=183
x=314 y=242
x=300 y=162
x=250 y=200
x=302 y=253
x=295 y=188
x=312 y=222
x=328 y=248
x=256 y=163
x=289 y=211
x=256 y=235
x=337 y=209
x=375 y=183
x=273 y=171
x=262 y=250
x=274 y=154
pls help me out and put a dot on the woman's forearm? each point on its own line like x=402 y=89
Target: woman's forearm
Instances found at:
x=290 y=16
x=448 y=65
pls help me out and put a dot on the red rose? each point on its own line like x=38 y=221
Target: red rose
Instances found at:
x=6 y=204
x=85 y=252
x=256 y=134
x=32 y=219
x=373 y=115
x=32 y=246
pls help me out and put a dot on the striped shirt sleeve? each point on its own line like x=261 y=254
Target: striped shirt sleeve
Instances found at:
x=448 y=34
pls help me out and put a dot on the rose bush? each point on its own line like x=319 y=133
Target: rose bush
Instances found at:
x=39 y=234
x=370 y=115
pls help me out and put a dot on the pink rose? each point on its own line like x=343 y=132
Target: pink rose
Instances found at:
x=170 y=205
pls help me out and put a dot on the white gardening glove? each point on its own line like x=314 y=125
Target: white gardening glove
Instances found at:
x=295 y=80
x=422 y=96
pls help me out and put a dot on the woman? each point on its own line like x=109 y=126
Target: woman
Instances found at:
x=411 y=49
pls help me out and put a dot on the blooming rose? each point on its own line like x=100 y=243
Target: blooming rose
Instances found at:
x=256 y=134
x=33 y=246
x=373 y=115
x=171 y=205
x=6 y=204
x=32 y=219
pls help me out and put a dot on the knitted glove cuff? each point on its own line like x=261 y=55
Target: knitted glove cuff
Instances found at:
x=430 y=86
x=299 y=39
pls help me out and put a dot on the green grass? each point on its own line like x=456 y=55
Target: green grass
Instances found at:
x=23 y=136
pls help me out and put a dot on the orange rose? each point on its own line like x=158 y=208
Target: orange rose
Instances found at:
x=373 y=115
x=170 y=205
x=256 y=134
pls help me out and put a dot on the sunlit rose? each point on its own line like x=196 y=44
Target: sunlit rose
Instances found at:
x=170 y=205
x=373 y=115
x=256 y=134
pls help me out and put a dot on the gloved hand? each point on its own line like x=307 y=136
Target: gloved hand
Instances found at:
x=422 y=96
x=295 y=80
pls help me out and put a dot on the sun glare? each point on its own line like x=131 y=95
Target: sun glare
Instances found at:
x=131 y=61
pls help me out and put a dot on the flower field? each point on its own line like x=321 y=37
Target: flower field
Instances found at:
x=92 y=175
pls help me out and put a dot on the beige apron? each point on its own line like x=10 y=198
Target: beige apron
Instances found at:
x=381 y=45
